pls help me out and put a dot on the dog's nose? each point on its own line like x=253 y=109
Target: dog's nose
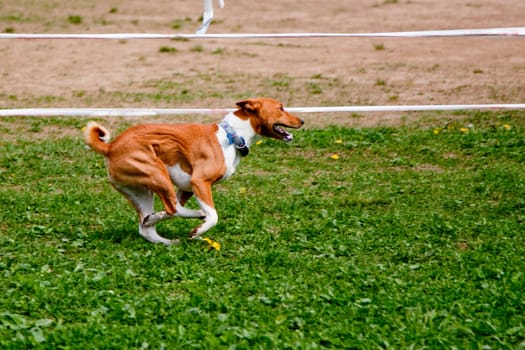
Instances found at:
x=302 y=122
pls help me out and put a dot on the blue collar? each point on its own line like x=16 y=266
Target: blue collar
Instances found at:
x=233 y=138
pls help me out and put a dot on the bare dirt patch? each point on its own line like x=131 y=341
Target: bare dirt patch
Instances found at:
x=216 y=73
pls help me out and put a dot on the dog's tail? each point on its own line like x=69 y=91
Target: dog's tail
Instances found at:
x=97 y=137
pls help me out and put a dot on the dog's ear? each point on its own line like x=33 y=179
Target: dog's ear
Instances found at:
x=251 y=105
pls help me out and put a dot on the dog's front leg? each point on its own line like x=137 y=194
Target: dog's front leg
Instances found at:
x=203 y=194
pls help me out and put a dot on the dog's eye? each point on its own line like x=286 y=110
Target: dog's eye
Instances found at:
x=281 y=108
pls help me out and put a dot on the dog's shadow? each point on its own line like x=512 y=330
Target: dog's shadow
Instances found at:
x=121 y=232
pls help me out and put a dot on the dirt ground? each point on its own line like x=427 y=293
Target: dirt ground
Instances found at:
x=303 y=72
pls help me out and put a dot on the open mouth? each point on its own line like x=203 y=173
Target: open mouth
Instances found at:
x=283 y=134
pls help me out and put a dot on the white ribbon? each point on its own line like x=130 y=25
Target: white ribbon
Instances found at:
x=490 y=32
x=208 y=15
x=148 y=112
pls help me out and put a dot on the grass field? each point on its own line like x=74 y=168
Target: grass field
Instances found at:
x=363 y=238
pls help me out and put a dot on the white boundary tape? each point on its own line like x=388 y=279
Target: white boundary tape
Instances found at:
x=490 y=32
x=143 y=112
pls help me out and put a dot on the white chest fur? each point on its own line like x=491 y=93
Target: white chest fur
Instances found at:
x=231 y=156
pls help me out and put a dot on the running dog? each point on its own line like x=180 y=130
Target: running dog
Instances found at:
x=149 y=159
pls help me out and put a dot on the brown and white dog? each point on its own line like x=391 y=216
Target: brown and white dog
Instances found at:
x=149 y=159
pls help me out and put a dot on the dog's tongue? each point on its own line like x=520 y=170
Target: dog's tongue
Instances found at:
x=287 y=137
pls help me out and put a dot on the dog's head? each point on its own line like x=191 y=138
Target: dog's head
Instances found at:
x=268 y=118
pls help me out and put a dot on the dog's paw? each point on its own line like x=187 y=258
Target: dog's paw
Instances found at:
x=147 y=222
x=153 y=218
x=194 y=234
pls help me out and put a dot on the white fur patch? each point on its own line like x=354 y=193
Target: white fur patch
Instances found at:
x=231 y=158
x=244 y=129
x=180 y=178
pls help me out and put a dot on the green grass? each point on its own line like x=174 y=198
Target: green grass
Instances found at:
x=167 y=49
x=75 y=19
x=413 y=238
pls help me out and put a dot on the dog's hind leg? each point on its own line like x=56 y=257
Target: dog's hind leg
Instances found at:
x=150 y=233
x=161 y=185
x=142 y=200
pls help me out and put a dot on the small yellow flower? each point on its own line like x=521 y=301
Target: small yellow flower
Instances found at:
x=338 y=141
x=83 y=128
x=506 y=126
x=242 y=190
x=464 y=130
x=258 y=142
x=334 y=156
x=212 y=244
x=436 y=131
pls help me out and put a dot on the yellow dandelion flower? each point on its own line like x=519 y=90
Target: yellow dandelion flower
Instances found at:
x=338 y=141
x=242 y=190
x=334 y=156
x=506 y=126
x=464 y=130
x=212 y=244
x=259 y=142
x=436 y=131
